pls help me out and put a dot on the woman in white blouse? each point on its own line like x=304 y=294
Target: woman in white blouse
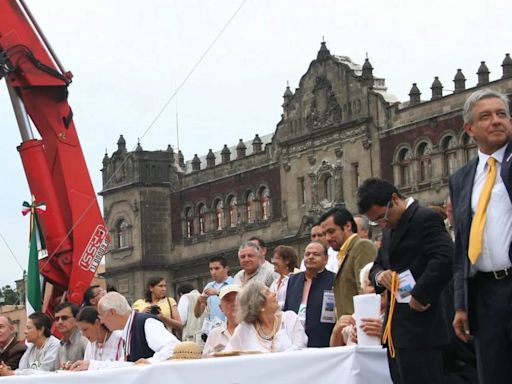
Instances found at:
x=263 y=327
x=103 y=344
x=285 y=261
x=42 y=348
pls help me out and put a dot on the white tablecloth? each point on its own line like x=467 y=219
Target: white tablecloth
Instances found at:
x=358 y=365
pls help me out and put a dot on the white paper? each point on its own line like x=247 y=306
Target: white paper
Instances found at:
x=407 y=283
x=366 y=307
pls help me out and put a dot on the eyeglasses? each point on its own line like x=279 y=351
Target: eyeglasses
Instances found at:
x=63 y=318
x=384 y=218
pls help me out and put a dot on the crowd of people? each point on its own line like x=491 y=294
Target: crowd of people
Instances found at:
x=428 y=273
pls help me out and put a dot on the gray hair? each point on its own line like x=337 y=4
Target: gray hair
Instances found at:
x=115 y=301
x=365 y=220
x=250 y=244
x=364 y=274
x=475 y=97
x=250 y=301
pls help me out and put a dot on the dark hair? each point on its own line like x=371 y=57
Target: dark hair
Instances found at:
x=88 y=314
x=89 y=294
x=374 y=191
x=260 y=241
x=111 y=288
x=289 y=256
x=340 y=216
x=185 y=288
x=316 y=224
x=220 y=259
x=151 y=283
x=67 y=304
x=42 y=320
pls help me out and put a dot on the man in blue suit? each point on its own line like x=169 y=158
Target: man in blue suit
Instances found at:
x=481 y=194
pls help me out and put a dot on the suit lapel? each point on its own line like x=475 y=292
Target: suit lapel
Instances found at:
x=506 y=169
x=345 y=258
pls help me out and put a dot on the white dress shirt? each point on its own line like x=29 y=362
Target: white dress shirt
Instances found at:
x=111 y=350
x=498 y=226
x=217 y=340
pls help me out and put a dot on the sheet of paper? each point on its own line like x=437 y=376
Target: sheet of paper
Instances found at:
x=366 y=307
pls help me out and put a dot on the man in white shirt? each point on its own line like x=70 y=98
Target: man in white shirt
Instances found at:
x=481 y=196
x=145 y=337
x=252 y=270
x=219 y=337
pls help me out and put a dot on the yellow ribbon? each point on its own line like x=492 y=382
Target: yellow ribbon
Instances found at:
x=386 y=336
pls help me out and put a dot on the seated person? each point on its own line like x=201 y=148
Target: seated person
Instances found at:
x=344 y=332
x=11 y=349
x=145 y=337
x=263 y=326
x=42 y=350
x=219 y=336
x=103 y=344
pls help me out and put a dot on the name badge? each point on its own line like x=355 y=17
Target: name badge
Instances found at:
x=327 y=315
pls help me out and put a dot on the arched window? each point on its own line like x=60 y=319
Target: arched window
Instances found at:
x=470 y=148
x=448 y=147
x=327 y=187
x=424 y=162
x=219 y=214
x=189 y=220
x=202 y=219
x=404 y=163
x=265 y=203
x=233 y=214
x=249 y=207
x=124 y=234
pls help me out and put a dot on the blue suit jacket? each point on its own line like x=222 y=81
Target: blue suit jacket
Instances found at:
x=318 y=333
x=461 y=187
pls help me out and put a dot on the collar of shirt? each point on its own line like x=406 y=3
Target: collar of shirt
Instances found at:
x=408 y=202
x=75 y=334
x=482 y=158
x=2 y=350
x=126 y=333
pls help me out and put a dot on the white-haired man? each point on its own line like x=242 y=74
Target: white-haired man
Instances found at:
x=249 y=255
x=145 y=337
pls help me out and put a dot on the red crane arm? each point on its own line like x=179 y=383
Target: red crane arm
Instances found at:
x=75 y=232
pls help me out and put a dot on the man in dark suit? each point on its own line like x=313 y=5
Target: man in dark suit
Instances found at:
x=481 y=195
x=414 y=240
x=308 y=295
x=10 y=349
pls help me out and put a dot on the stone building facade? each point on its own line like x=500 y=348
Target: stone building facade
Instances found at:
x=167 y=217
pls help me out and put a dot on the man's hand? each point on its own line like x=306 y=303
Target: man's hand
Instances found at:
x=211 y=291
x=384 y=278
x=5 y=370
x=80 y=365
x=372 y=327
x=461 y=325
x=417 y=306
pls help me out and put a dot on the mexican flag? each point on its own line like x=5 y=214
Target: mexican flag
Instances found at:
x=34 y=300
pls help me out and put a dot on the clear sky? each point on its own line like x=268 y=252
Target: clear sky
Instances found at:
x=128 y=58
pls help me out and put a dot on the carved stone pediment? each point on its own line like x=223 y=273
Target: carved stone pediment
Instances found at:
x=324 y=108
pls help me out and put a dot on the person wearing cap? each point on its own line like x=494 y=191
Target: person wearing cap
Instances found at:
x=219 y=337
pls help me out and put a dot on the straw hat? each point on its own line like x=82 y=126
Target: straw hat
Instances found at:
x=186 y=350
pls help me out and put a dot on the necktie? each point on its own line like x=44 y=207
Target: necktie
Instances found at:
x=477 y=225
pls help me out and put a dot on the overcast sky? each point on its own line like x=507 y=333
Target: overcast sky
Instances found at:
x=128 y=58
